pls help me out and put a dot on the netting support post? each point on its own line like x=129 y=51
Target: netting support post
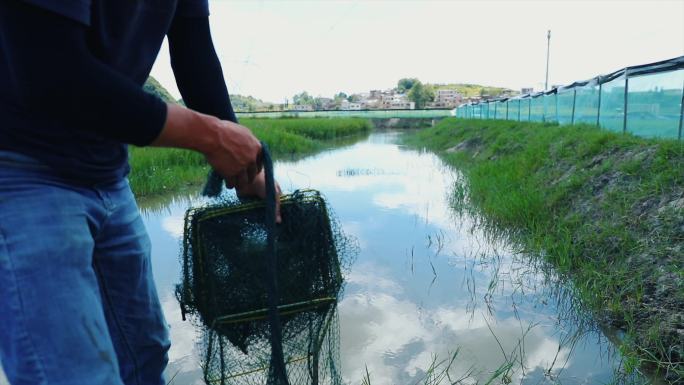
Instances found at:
x=529 y=110
x=556 y=98
x=681 y=114
x=598 y=111
x=574 y=99
x=624 y=110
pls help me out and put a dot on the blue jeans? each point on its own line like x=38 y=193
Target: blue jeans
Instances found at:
x=78 y=303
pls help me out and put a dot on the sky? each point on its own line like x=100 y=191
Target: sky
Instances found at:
x=274 y=49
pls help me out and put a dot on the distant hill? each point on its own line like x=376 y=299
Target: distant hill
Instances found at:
x=249 y=103
x=155 y=88
x=239 y=102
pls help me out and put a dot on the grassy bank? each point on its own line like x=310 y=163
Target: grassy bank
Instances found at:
x=160 y=170
x=606 y=209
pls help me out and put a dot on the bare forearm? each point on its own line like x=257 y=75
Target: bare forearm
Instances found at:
x=229 y=147
x=189 y=129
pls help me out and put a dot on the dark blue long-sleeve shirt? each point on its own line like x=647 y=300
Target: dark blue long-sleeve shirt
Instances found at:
x=71 y=75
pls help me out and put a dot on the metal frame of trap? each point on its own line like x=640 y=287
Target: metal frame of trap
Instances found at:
x=262 y=313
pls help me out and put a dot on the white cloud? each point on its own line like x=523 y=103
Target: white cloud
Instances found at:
x=174 y=225
x=397 y=339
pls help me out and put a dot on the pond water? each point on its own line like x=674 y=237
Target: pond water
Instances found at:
x=427 y=283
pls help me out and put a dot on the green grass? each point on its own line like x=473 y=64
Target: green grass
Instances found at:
x=157 y=171
x=602 y=207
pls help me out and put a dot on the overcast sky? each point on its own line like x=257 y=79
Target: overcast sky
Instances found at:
x=274 y=49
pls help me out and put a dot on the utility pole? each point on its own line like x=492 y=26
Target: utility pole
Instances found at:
x=548 y=48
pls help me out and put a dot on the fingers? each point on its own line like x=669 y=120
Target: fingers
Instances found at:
x=260 y=160
x=279 y=219
x=242 y=179
x=231 y=182
x=235 y=152
x=252 y=171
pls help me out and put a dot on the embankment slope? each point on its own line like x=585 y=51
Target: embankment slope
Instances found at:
x=606 y=209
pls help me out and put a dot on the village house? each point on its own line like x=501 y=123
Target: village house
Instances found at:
x=446 y=98
x=350 y=106
x=301 y=107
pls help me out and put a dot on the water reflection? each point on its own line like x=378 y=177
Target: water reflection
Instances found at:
x=427 y=283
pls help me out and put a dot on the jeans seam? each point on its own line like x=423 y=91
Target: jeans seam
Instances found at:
x=24 y=335
x=115 y=317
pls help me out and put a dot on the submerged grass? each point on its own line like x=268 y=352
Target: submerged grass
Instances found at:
x=157 y=171
x=606 y=209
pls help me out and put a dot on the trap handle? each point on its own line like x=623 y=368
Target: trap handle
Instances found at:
x=212 y=188
x=278 y=372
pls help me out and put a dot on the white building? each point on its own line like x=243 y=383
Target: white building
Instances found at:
x=402 y=105
x=325 y=103
x=349 y=106
x=371 y=103
x=301 y=107
x=446 y=98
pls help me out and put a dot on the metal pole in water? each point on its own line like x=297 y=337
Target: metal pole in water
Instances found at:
x=548 y=48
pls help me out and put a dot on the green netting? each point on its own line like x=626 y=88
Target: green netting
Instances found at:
x=586 y=104
x=550 y=107
x=525 y=109
x=565 y=102
x=537 y=109
x=613 y=104
x=654 y=104
x=224 y=289
x=514 y=109
x=502 y=110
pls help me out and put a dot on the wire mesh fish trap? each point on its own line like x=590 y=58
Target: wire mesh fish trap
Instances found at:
x=310 y=349
x=224 y=290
